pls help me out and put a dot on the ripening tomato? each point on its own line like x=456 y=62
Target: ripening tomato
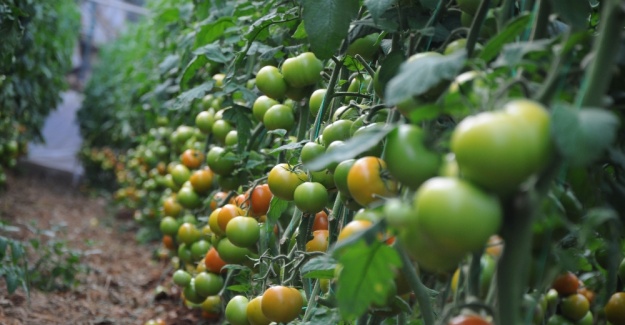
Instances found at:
x=202 y=180
x=213 y=261
x=260 y=198
x=468 y=320
x=255 y=314
x=281 y=304
x=574 y=307
x=192 y=158
x=353 y=227
x=171 y=207
x=227 y=213
x=566 y=284
x=283 y=179
x=321 y=221
x=615 y=309
x=319 y=242
x=368 y=181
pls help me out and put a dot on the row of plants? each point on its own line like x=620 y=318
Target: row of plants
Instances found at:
x=373 y=162
x=35 y=55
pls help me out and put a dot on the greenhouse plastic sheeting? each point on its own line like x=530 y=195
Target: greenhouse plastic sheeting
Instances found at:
x=62 y=138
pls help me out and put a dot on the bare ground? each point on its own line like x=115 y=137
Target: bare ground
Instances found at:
x=125 y=283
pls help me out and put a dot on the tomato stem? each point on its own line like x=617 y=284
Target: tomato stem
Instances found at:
x=312 y=301
x=605 y=50
x=420 y=290
x=327 y=99
x=475 y=268
x=541 y=20
x=303 y=121
x=507 y=11
x=476 y=25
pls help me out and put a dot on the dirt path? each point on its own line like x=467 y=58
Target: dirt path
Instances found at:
x=121 y=284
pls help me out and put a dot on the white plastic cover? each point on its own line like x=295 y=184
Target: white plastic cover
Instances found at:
x=62 y=138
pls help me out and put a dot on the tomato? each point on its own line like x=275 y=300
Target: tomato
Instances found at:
x=589 y=294
x=336 y=131
x=168 y=242
x=279 y=117
x=255 y=314
x=188 y=233
x=270 y=82
x=366 y=46
x=236 y=310
x=218 y=199
x=558 y=320
x=367 y=181
x=169 y=226
x=319 y=243
x=212 y=305
x=208 y=284
x=297 y=94
x=202 y=180
x=499 y=150
x=340 y=175
x=310 y=197
x=232 y=138
x=204 y=121
x=199 y=249
x=260 y=198
x=335 y=146
x=213 y=261
x=574 y=307
x=243 y=231
x=354 y=227
x=375 y=150
x=310 y=151
x=615 y=309
x=407 y=157
x=261 y=105
x=325 y=177
x=180 y=174
x=315 y=101
x=347 y=112
x=220 y=129
x=302 y=70
x=188 y=198
x=181 y=278
x=190 y=294
x=192 y=158
x=468 y=320
x=321 y=221
x=227 y=213
x=488 y=266
x=281 y=304
x=221 y=161
x=231 y=253
x=213 y=223
x=283 y=179
x=566 y=284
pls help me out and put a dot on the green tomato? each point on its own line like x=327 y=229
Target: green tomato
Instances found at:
x=208 y=284
x=314 y=103
x=340 y=175
x=366 y=46
x=455 y=215
x=199 y=249
x=302 y=70
x=243 y=231
x=279 y=117
x=220 y=129
x=232 y=138
x=408 y=159
x=221 y=161
x=499 y=150
x=270 y=82
x=336 y=131
x=205 y=120
x=310 y=151
x=231 y=253
x=310 y=197
x=261 y=105
x=236 y=311
x=181 y=278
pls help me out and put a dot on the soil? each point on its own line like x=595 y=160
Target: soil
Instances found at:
x=123 y=282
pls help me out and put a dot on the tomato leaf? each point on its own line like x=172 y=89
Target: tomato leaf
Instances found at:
x=320 y=267
x=290 y=146
x=215 y=53
x=239 y=117
x=300 y=32
x=324 y=316
x=513 y=53
x=367 y=277
x=576 y=13
x=213 y=31
x=417 y=77
x=582 y=136
x=276 y=207
x=196 y=63
x=168 y=63
x=327 y=23
x=513 y=29
x=378 y=7
x=185 y=99
x=353 y=147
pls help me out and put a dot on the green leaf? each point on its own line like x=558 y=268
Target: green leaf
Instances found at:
x=276 y=207
x=367 y=277
x=425 y=113
x=12 y=282
x=320 y=267
x=239 y=287
x=353 y=147
x=582 y=136
x=511 y=31
x=300 y=32
x=576 y=13
x=215 y=53
x=3 y=247
x=17 y=251
x=238 y=115
x=324 y=316
x=417 y=77
x=197 y=63
x=327 y=23
x=185 y=99
x=290 y=146
x=378 y=7
x=593 y=220
x=170 y=62
x=170 y=15
x=213 y=31
x=513 y=53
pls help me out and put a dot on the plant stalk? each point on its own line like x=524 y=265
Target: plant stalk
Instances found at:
x=423 y=298
x=476 y=26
